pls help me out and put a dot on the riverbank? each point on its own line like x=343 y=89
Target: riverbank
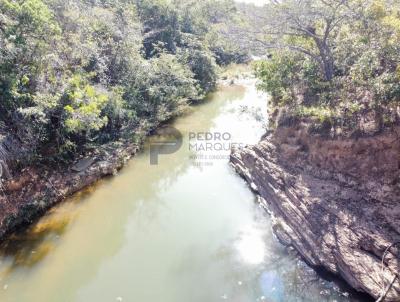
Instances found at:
x=335 y=200
x=177 y=220
x=29 y=193
x=34 y=190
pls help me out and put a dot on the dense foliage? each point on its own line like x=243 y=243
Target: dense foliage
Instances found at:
x=77 y=73
x=335 y=61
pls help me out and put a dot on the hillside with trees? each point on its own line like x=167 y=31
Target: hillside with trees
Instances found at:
x=334 y=62
x=83 y=82
x=77 y=74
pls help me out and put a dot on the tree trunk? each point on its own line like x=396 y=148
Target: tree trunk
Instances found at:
x=328 y=69
x=327 y=61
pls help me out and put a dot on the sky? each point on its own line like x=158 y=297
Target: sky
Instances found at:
x=256 y=2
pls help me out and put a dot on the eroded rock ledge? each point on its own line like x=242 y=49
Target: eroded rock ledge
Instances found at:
x=337 y=201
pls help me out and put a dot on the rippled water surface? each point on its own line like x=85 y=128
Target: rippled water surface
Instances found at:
x=185 y=230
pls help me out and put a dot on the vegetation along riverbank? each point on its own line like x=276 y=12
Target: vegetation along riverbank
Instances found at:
x=329 y=167
x=83 y=82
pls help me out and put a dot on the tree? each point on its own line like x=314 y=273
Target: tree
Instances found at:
x=357 y=72
x=160 y=25
x=76 y=74
x=309 y=27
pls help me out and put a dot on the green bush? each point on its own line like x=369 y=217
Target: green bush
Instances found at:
x=343 y=68
x=75 y=74
x=278 y=76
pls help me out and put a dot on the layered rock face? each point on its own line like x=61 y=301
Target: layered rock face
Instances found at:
x=337 y=201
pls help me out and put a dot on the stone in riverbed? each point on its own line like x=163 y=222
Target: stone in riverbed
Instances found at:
x=83 y=164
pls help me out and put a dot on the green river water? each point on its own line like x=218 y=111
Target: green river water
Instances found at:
x=185 y=230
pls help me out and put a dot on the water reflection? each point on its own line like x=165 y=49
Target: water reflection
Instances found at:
x=173 y=232
x=272 y=287
x=251 y=245
x=29 y=247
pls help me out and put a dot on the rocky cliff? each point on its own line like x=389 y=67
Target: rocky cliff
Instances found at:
x=336 y=200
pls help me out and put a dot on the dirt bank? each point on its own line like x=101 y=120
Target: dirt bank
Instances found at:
x=34 y=190
x=29 y=193
x=336 y=200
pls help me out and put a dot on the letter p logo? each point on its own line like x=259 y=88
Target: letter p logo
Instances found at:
x=170 y=140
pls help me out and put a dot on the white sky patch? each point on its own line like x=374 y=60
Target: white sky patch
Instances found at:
x=256 y=2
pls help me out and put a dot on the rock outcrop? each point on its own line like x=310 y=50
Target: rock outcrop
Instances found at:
x=337 y=201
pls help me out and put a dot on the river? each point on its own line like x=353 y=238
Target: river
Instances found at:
x=187 y=229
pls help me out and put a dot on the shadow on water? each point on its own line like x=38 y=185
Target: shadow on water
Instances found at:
x=161 y=232
x=29 y=247
x=342 y=285
x=25 y=249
